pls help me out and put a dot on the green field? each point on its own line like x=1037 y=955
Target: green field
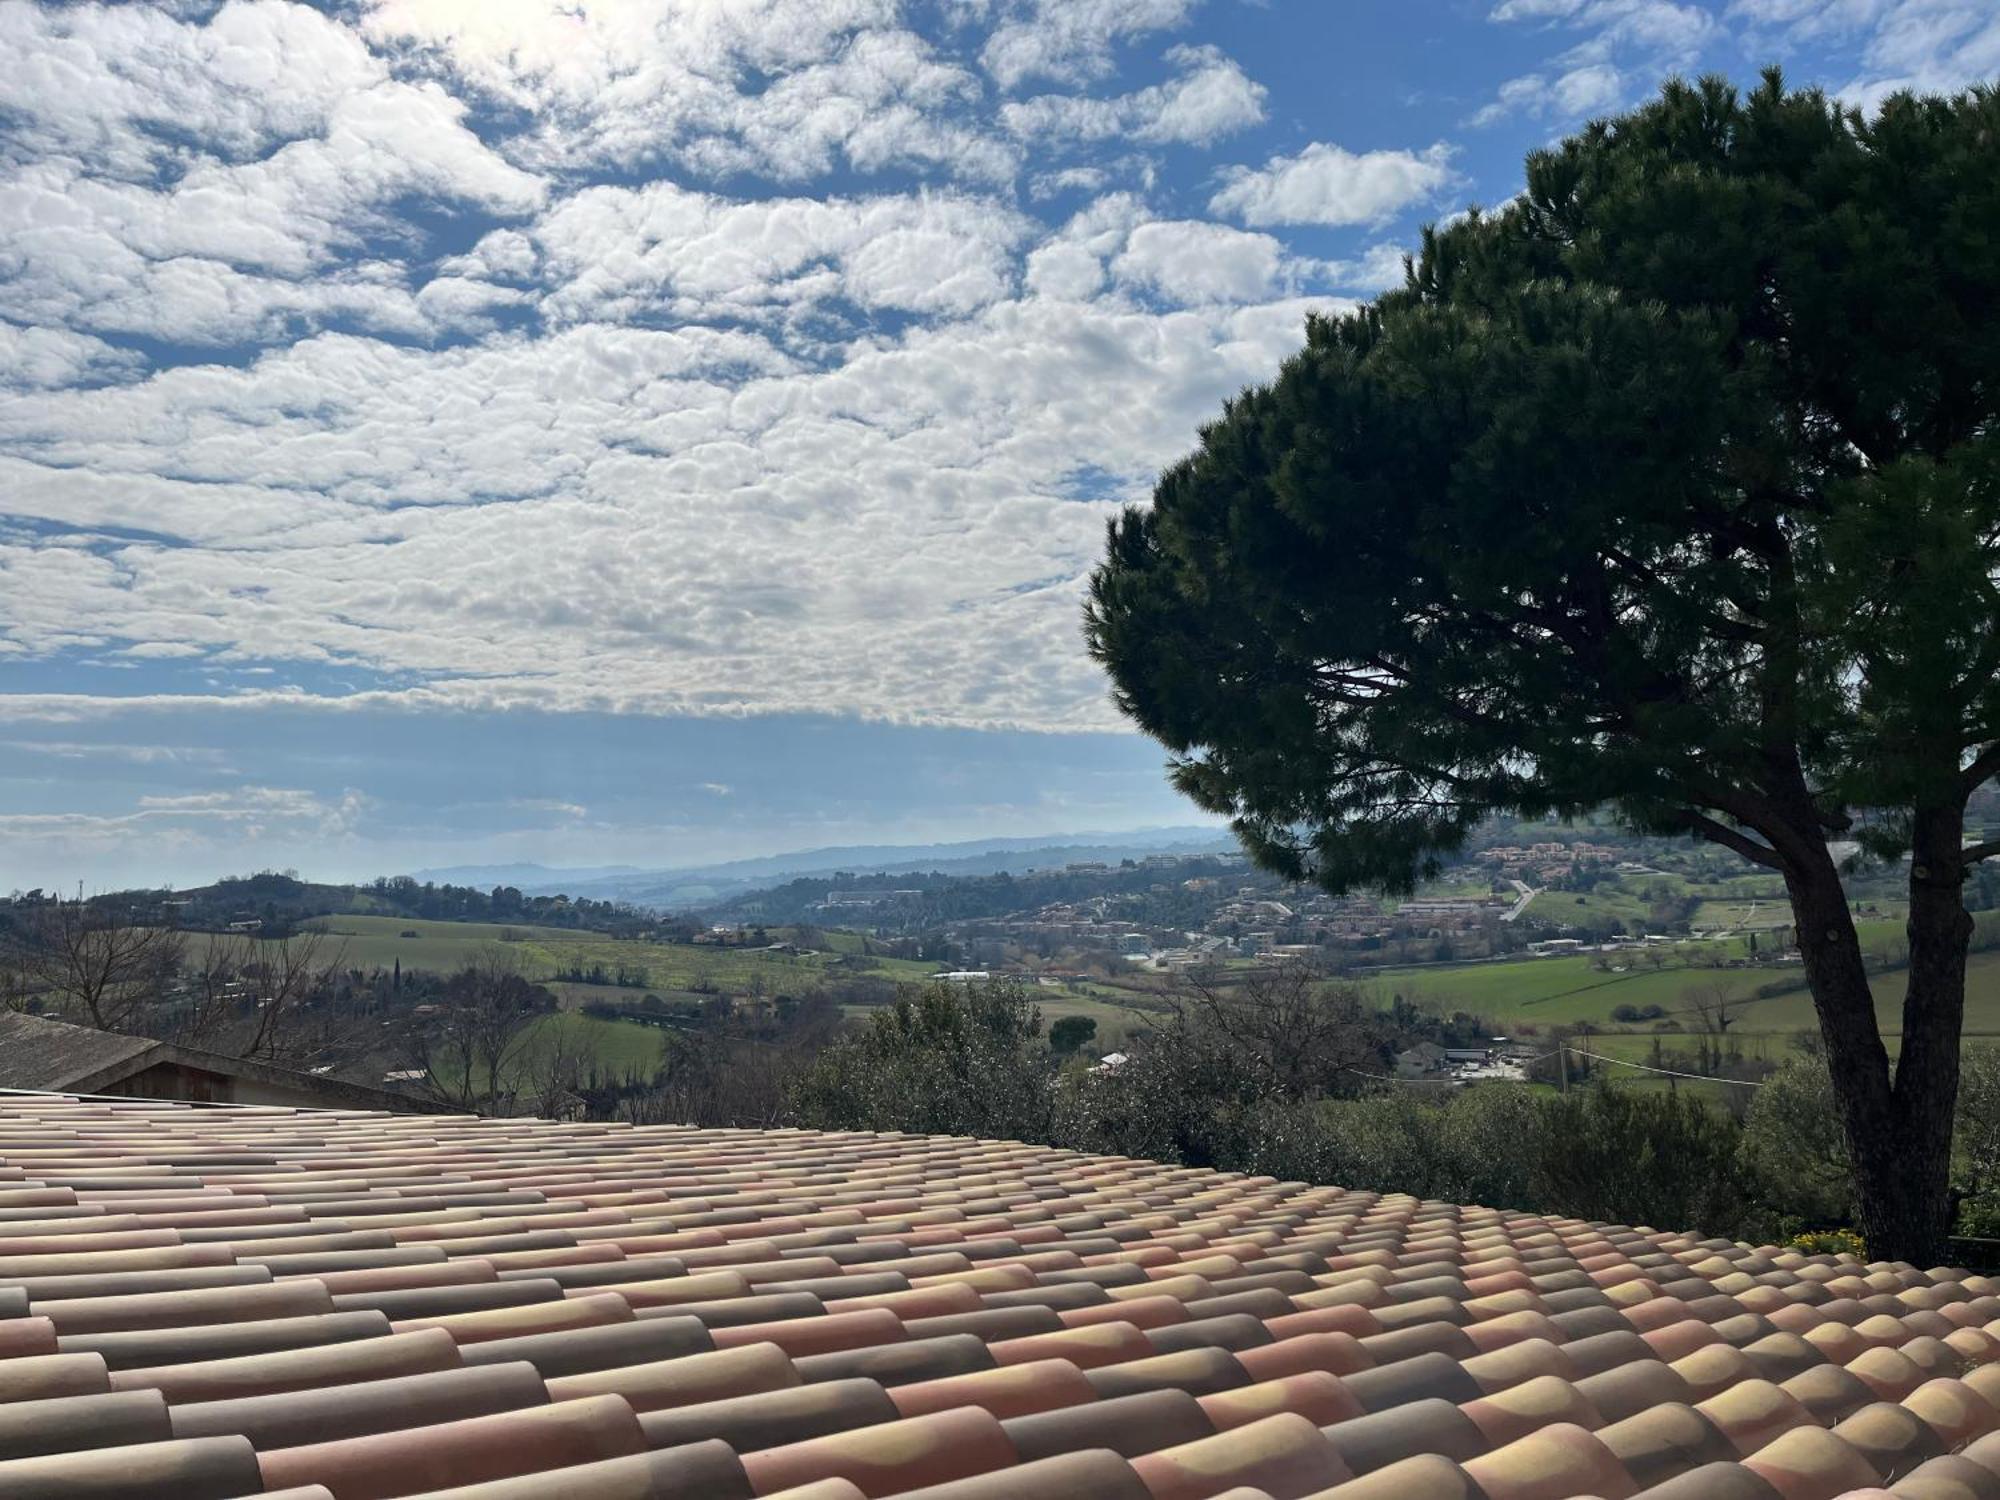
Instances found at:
x=1540 y=993
x=543 y=952
x=614 y=1051
x=1601 y=905
x=620 y=1046
x=1556 y=991
x=1520 y=996
x=1747 y=903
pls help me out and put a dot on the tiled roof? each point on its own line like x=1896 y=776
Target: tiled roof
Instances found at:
x=36 y=1053
x=205 y=1303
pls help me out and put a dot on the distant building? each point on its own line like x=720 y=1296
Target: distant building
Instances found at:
x=1420 y=1061
x=963 y=976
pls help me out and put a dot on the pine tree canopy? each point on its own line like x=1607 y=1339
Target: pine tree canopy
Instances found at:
x=1673 y=485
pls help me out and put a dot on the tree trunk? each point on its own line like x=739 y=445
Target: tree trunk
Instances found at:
x=1855 y=1056
x=1926 y=1087
x=1898 y=1127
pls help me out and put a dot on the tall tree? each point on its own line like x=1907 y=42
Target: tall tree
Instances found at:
x=1674 y=485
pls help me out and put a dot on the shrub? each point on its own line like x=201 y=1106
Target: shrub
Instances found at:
x=937 y=1062
x=1977 y=1140
x=1633 y=1157
x=1491 y=1138
x=1979 y=1218
x=1207 y=1089
x=1630 y=1013
x=1792 y=1141
x=1637 y=1013
x=1829 y=1242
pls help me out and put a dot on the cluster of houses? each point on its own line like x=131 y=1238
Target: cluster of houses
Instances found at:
x=1249 y=922
x=1543 y=863
x=848 y=900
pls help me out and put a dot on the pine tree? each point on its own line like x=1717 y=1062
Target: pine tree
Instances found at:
x=1671 y=487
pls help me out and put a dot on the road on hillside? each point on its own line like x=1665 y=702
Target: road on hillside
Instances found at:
x=1528 y=893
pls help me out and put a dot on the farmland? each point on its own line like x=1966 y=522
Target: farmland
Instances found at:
x=1527 y=996
x=1522 y=996
x=543 y=953
x=673 y=971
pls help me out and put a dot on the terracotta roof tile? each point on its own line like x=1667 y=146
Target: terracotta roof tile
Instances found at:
x=338 y=1305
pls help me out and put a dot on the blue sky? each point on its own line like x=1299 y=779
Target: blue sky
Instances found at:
x=652 y=431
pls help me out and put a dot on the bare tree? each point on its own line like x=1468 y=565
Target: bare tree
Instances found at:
x=1305 y=1036
x=563 y=1062
x=707 y=1080
x=90 y=967
x=467 y=1049
x=249 y=996
x=1715 y=1006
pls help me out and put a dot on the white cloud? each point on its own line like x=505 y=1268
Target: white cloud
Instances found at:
x=643 y=81
x=1195 y=262
x=1374 y=269
x=1209 y=97
x=602 y=523
x=212 y=183
x=1624 y=47
x=120 y=84
x=621 y=253
x=554 y=805
x=138 y=755
x=1065 y=269
x=57 y=357
x=1072 y=40
x=1929 y=46
x=1592 y=89
x=199 y=826
x=1324 y=184
x=677 y=444
x=674 y=356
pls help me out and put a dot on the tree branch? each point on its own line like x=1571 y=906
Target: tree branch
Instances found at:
x=1985 y=766
x=1703 y=826
x=1972 y=854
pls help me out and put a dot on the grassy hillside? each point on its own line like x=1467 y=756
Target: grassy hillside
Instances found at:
x=1563 y=991
x=543 y=952
x=1520 y=996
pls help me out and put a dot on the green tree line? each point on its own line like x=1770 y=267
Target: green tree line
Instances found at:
x=1283 y=1084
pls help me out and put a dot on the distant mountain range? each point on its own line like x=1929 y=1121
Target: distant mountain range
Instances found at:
x=682 y=888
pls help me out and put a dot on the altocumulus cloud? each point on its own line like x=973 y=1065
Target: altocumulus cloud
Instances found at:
x=682 y=358
x=1324 y=184
x=696 y=358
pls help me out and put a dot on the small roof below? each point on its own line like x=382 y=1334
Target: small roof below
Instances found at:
x=43 y=1056
x=54 y=1055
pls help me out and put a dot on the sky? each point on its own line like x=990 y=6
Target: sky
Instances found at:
x=656 y=431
